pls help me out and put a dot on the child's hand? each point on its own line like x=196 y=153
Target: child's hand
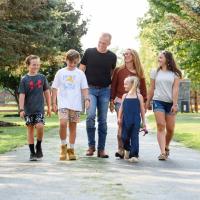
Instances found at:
x=87 y=104
x=22 y=114
x=144 y=126
x=54 y=108
x=49 y=112
x=112 y=106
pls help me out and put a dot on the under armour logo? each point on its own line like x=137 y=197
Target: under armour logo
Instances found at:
x=37 y=85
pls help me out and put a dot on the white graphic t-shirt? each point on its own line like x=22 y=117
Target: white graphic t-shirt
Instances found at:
x=69 y=84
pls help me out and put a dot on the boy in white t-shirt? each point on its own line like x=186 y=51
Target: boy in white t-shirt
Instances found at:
x=68 y=85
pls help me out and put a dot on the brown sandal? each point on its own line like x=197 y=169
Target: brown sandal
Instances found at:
x=162 y=157
x=167 y=152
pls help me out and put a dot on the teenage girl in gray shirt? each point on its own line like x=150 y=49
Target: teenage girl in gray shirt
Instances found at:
x=164 y=87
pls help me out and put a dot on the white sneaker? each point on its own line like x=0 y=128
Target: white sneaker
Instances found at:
x=133 y=160
x=126 y=155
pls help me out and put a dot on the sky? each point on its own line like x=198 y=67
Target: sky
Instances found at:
x=118 y=17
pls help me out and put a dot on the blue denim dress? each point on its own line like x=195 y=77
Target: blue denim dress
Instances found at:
x=131 y=120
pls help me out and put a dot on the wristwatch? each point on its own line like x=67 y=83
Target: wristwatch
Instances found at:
x=21 y=110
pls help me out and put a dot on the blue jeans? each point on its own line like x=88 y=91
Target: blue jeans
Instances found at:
x=99 y=100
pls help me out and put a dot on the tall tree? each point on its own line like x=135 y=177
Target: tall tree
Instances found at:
x=174 y=25
x=41 y=27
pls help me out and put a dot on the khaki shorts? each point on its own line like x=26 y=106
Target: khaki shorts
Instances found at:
x=69 y=115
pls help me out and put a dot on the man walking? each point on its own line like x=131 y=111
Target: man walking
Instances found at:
x=98 y=64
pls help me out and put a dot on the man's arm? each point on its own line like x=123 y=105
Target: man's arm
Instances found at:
x=82 y=67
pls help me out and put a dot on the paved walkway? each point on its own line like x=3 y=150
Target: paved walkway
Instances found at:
x=100 y=179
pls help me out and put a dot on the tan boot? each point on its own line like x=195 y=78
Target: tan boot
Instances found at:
x=63 y=152
x=71 y=154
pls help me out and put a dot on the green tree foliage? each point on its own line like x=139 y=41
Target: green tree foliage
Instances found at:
x=42 y=27
x=175 y=25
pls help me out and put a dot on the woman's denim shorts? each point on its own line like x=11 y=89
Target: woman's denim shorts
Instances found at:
x=161 y=106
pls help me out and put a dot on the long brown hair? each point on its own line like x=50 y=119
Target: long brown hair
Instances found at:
x=171 y=64
x=138 y=66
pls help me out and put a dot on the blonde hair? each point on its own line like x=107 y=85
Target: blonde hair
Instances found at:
x=134 y=81
x=29 y=58
x=72 y=55
x=138 y=66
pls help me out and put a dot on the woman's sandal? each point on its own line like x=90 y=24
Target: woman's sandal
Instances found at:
x=167 y=152
x=162 y=157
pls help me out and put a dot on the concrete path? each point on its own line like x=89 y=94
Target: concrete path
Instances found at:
x=100 y=179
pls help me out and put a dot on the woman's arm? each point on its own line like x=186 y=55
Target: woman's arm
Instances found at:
x=143 y=89
x=175 y=91
x=142 y=109
x=150 y=93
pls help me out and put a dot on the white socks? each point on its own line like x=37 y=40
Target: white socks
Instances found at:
x=63 y=142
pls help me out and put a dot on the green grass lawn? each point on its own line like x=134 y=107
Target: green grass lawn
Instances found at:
x=12 y=137
x=187 y=129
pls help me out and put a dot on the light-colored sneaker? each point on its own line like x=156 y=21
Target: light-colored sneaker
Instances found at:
x=71 y=154
x=126 y=154
x=63 y=152
x=162 y=157
x=133 y=160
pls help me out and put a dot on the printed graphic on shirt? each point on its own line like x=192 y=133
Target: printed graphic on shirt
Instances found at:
x=37 y=85
x=69 y=82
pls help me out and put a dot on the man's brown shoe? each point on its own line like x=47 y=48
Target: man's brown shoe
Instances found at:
x=90 y=151
x=102 y=154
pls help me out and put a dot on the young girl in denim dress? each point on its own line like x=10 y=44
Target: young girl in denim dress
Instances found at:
x=131 y=114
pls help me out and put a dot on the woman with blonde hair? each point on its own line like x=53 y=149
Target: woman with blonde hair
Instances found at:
x=131 y=67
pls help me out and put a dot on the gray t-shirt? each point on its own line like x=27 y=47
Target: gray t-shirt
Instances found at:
x=164 y=81
x=33 y=88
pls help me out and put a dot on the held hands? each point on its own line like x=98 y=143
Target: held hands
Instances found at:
x=147 y=106
x=112 y=106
